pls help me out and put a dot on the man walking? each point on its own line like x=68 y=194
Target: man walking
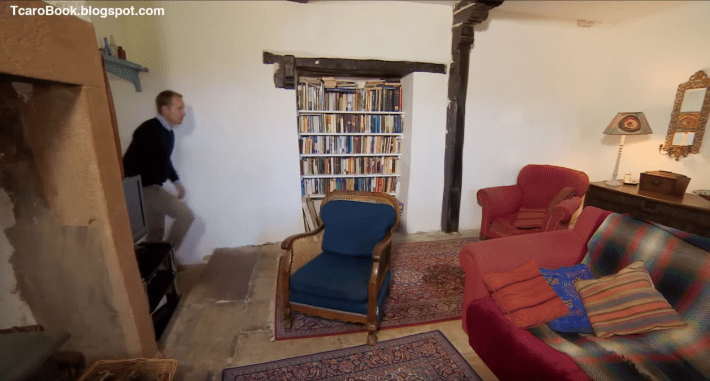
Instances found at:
x=148 y=155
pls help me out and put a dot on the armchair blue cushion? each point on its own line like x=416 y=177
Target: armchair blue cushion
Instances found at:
x=355 y=228
x=335 y=281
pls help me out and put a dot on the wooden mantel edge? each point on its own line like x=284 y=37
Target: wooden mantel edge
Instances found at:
x=284 y=77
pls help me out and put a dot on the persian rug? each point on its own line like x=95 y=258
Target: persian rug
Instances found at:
x=424 y=356
x=426 y=287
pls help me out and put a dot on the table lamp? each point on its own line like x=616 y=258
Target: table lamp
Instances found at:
x=625 y=123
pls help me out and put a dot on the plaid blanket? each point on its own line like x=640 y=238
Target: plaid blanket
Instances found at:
x=680 y=270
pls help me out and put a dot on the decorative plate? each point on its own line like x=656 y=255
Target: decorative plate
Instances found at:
x=704 y=193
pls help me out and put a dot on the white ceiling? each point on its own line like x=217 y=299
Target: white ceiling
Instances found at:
x=599 y=12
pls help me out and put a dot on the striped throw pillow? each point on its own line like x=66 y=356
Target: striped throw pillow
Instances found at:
x=626 y=303
x=529 y=218
x=524 y=296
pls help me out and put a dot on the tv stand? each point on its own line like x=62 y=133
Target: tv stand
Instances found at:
x=156 y=264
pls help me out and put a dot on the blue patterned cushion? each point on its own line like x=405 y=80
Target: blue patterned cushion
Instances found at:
x=562 y=281
x=354 y=228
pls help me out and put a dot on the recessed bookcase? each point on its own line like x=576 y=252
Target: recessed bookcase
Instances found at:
x=349 y=134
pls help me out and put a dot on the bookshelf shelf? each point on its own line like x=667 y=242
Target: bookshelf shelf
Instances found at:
x=318 y=195
x=351 y=134
x=351 y=176
x=319 y=112
x=361 y=120
x=348 y=154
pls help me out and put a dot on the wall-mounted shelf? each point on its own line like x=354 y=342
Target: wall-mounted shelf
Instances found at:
x=124 y=69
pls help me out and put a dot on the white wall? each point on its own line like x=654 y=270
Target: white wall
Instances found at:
x=237 y=151
x=539 y=92
x=140 y=37
x=425 y=102
x=544 y=92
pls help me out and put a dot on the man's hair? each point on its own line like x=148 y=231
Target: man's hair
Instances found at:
x=165 y=98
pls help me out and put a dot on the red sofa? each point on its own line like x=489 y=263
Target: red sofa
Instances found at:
x=510 y=352
x=536 y=187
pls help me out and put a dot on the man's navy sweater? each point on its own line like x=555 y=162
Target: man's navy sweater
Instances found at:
x=149 y=154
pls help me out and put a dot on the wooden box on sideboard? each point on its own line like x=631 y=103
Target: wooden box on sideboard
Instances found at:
x=664 y=182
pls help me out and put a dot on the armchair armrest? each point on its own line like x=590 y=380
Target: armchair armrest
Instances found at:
x=500 y=200
x=381 y=259
x=559 y=215
x=497 y=201
x=288 y=242
x=589 y=221
x=381 y=248
x=301 y=248
x=380 y=264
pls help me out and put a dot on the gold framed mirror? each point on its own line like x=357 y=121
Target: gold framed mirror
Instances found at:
x=689 y=117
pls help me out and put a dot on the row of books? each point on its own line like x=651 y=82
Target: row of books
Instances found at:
x=349 y=165
x=334 y=95
x=349 y=144
x=352 y=123
x=370 y=184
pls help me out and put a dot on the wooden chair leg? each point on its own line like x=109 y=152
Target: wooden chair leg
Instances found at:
x=288 y=316
x=372 y=333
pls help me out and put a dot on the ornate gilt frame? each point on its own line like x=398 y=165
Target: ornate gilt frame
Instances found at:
x=698 y=80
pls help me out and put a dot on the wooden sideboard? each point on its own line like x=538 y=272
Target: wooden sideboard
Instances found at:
x=691 y=213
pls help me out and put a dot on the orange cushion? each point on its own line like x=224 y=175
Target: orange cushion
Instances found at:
x=529 y=218
x=563 y=194
x=524 y=296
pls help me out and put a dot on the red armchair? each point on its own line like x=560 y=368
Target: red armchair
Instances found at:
x=536 y=188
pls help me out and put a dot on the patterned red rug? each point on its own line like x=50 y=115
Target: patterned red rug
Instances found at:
x=424 y=356
x=426 y=287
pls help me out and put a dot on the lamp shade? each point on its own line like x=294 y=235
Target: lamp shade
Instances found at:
x=628 y=123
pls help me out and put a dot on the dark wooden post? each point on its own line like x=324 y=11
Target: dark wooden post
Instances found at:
x=466 y=15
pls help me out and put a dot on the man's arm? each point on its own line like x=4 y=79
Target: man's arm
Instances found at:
x=172 y=175
x=134 y=157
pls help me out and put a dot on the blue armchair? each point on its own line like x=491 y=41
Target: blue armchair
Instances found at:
x=341 y=270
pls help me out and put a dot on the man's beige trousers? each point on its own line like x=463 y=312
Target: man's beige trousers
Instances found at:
x=158 y=204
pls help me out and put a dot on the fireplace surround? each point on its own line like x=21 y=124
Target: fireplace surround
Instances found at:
x=71 y=247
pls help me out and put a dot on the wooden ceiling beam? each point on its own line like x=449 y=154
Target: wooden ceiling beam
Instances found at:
x=284 y=77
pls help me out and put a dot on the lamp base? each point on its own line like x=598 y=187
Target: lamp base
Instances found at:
x=614 y=183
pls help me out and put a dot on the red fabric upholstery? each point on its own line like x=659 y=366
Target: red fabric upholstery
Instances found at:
x=536 y=186
x=513 y=353
x=491 y=335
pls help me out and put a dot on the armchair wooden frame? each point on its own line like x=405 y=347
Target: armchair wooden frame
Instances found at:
x=302 y=248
